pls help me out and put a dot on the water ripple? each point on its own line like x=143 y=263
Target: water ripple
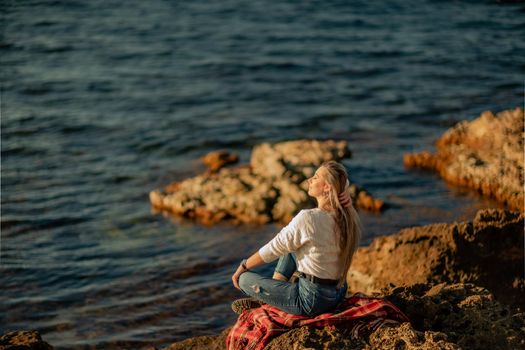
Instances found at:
x=102 y=103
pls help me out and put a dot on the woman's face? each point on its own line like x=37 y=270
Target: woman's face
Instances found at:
x=316 y=184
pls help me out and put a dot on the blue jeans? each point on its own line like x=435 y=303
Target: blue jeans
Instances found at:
x=304 y=298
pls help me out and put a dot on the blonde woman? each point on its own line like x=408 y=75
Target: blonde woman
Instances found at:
x=316 y=248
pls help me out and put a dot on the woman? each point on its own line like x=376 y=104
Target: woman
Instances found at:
x=317 y=246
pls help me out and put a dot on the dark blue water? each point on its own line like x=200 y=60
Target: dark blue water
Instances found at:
x=103 y=101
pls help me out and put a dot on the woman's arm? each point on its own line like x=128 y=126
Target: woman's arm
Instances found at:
x=289 y=239
x=253 y=261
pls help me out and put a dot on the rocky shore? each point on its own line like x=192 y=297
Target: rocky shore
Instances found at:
x=487 y=251
x=271 y=188
x=461 y=285
x=485 y=154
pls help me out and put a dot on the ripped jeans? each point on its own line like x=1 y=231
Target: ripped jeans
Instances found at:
x=304 y=298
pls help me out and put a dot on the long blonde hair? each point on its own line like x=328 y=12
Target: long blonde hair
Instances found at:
x=348 y=224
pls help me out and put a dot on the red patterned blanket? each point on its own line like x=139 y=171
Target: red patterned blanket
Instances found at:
x=255 y=328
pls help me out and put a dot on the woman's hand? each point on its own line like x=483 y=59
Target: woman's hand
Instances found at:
x=250 y=263
x=236 y=275
x=345 y=199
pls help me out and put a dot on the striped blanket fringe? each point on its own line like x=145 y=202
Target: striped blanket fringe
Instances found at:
x=361 y=314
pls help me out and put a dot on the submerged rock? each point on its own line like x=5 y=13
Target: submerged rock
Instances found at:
x=488 y=252
x=272 y=188
x=23 y=340
x=485 y=154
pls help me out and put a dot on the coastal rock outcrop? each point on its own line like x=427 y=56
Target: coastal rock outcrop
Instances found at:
x=485 y=154
x=23 y=340
x=467 y=315
x=271 y=188
x=488 y=252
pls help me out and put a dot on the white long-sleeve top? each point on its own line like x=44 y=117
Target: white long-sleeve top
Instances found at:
x=311 y=236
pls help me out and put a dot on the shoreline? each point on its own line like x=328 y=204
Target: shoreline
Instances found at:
x=465 y=291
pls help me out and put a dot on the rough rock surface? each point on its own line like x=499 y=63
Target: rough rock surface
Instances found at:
x=406 y=337
x=207 y=342
x=271 y=188
x=488 y=252
x=23 y=340
x=467 y=314
x=485 y=154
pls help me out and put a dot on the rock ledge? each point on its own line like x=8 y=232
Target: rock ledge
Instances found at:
x=485 y=154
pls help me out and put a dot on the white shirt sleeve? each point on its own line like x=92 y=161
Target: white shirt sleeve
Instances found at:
x=289 y=239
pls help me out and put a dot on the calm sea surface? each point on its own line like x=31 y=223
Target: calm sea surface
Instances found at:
x=103 y=101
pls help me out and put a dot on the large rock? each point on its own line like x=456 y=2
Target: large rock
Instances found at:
x=272 y=188
x=485 y=154
x=467 y=314
x=205 y=342
x=23 y=340
x=488 y=252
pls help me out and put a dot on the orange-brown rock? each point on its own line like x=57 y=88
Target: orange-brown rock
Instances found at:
x=488 y=252
x=485 y=154
x=366 y=201
x=218 y=159
x=465 y=315
x=23 y=340
x=272 y=188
